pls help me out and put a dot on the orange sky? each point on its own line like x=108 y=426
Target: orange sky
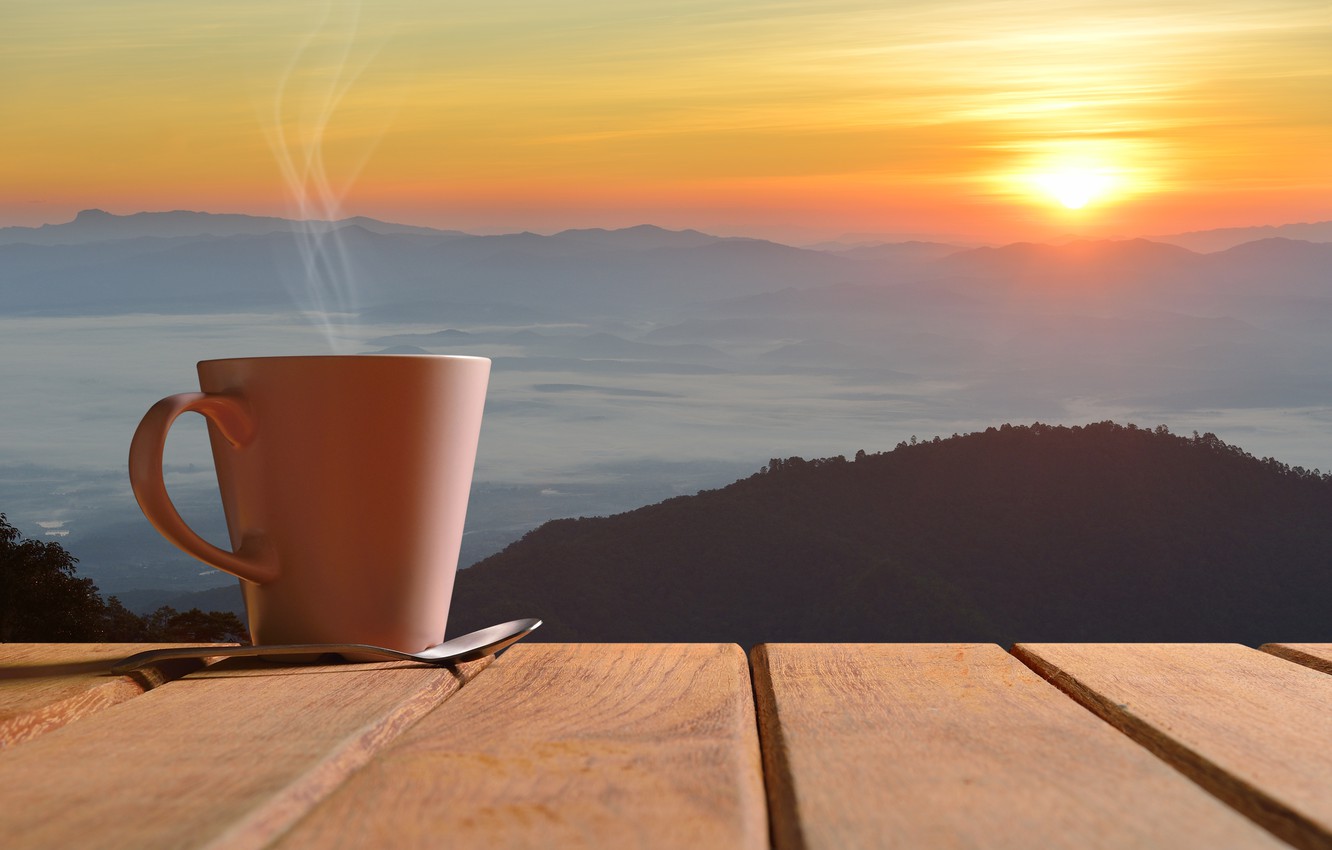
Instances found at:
x=796 y=121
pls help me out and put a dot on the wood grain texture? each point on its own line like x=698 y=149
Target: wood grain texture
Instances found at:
x=45 y=686
x=568 y=746
x=227 y=757
x=1251 y=728
x=1315 y=655
x=960 y=745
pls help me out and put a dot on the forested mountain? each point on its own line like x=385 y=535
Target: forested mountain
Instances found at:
x=1036 y=533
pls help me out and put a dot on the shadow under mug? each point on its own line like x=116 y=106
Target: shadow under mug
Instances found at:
x=344 y=479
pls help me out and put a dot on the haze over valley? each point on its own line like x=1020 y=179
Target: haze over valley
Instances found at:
x=637 y=364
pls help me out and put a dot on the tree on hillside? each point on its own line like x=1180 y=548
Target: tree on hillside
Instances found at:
x=41 y=599
x=168 y=624
x=120 y=624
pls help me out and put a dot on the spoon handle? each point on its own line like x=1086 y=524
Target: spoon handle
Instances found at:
x=152 y=656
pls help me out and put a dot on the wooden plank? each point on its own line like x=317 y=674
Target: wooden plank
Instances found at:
x=1251 y=728
x=959 y=745
x=45 y=686
x=568 y=746
x=226 y=757
x=1315 y=655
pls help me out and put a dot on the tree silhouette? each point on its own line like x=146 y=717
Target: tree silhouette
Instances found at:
x=168 y=624
x=42 y=599
x=120 y=624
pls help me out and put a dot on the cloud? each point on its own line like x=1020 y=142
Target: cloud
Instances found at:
x=628 y=392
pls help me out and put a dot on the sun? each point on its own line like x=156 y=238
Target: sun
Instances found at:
x=1077 y=176
x=1075 y=187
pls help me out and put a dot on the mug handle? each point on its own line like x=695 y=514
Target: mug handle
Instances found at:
x=253 y=561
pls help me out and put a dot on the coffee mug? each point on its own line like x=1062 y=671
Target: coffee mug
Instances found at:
x=344 y=480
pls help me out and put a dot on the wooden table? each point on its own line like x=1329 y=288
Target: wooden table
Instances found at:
x=676 y=745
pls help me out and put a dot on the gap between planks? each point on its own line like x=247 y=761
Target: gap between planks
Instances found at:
x=960 y=745
x=1250 y=728
x=266 y=823
x=230 y=756
x=568 y=745
x=1315 y=655
x=46 y=686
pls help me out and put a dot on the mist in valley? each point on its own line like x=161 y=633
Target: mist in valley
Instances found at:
x=634 y=365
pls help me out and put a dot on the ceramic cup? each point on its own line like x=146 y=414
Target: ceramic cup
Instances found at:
x=344 y=480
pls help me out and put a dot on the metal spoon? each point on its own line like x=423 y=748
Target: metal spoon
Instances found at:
x=468 y=647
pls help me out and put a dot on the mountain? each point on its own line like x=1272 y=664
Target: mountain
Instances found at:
x=226 y=598
x=1101 y=268
x=179 y=263
x=1136 y=274
x=101 y=226
x=1208 y=241
x=892 y=252
x=641 y=236
x=189 y=262
x=1277 y=265
x=1041 y=533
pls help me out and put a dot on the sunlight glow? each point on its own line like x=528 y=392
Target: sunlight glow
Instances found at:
x=760 y=117
x=1075 y=187
x=1077 y=174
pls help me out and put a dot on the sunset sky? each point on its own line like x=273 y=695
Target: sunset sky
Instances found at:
x=980 y=120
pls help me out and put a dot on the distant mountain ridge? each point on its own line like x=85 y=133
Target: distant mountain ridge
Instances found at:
x=399 y=273
x=1208 y=241
x=99 y=225
x=1039 y=533
x=182 y=262
x=95 y=225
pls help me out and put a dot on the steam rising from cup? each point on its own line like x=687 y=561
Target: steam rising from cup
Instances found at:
x=319 y=76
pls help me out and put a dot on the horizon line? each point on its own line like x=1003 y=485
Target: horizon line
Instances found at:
x=847 y=239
